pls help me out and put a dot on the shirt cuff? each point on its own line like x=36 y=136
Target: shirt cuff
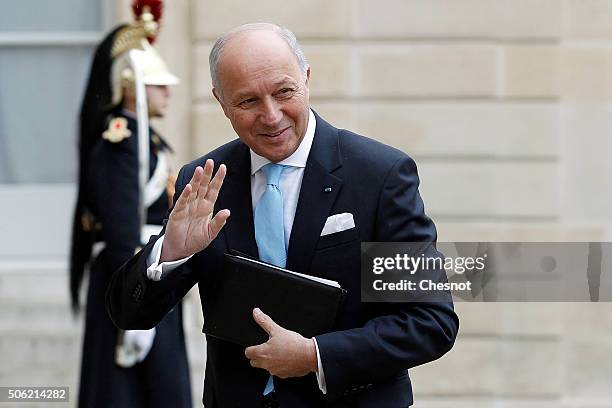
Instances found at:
x=320 y=375
x=155 y=270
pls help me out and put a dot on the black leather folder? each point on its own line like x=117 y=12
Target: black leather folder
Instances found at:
x=295 y=302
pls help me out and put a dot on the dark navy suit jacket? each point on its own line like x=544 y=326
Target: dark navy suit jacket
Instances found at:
x=366 y=357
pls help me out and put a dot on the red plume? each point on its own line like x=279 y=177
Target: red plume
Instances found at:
x=155 y=6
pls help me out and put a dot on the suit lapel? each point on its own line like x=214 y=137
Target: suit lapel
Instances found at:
x=317 y=195
x=236 y=196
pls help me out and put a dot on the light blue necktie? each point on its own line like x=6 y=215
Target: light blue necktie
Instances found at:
x=269 y=228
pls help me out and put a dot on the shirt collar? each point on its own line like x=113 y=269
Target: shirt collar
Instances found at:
x=299 y=157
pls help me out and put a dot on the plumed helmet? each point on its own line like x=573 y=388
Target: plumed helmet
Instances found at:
x=139 y=36
x=153 y=70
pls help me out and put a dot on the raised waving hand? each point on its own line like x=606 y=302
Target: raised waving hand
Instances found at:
x=192 y=226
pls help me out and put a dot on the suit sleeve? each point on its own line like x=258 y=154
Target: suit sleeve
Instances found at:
x=403 y=335
x=133 y=301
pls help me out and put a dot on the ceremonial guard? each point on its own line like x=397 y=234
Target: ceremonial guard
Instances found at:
x=125 y=189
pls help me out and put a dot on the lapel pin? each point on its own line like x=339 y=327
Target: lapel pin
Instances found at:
x=327 y=189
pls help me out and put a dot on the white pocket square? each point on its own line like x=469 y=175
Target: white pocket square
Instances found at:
x=337 y=223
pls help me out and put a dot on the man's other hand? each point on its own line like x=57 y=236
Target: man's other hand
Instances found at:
x=286 y=353
x=191 y=226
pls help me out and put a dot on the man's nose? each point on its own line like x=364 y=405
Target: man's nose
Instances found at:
x=271 y=113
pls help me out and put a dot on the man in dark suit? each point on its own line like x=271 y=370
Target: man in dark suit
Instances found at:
x=331 y=189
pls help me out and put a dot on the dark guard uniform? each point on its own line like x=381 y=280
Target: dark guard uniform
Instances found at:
x=162 y=379
x=107 y=225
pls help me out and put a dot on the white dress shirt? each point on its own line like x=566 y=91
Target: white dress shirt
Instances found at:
x=290 y=185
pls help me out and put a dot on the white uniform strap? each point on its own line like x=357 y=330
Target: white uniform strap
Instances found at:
x=156 y=186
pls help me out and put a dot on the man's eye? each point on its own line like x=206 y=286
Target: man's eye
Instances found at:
x=285 y=91
x=247 y=102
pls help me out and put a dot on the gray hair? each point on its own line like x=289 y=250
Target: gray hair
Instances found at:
x=284 y=33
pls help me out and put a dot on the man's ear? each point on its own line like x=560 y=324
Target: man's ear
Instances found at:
x=217 y=96
x=307 y=75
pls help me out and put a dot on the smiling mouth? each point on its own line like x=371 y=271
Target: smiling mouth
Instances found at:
x=275 y=134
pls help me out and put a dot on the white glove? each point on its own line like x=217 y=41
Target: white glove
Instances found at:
x=133 y=346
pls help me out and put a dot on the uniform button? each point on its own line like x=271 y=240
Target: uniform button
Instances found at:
x=137 y=293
